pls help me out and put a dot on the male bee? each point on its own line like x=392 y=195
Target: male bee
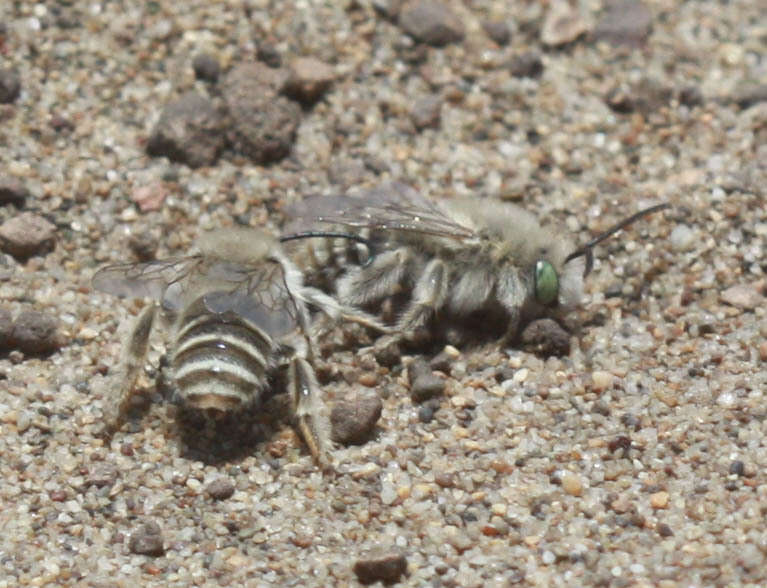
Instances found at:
x=237 y=311
x=486 y=265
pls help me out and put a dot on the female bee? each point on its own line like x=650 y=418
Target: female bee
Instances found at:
x=482 y=264
x=237 y=311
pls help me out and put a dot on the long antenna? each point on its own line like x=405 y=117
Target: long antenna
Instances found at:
x=332 y=235
x=587 y=249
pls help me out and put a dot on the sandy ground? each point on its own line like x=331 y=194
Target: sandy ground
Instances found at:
x=637 y=460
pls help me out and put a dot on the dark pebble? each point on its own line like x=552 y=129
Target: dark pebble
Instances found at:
x=6 y=329
x=441 y=362
x=268 y=54
x=646 y=97
x=547 y=338
x=432 y=23
x=220 y=488
x=388 y=9
x=147 y=540
x=263 y=124
x=426 y=112
x=738 y=468
x=206 y=67
x=749 y=94
x=427 y=411
x=423 y=383
x=498 y=31
x=626 y=22
x=12 y=191
x=10 y=85
x=35 y=332
x=354 y=419
x=309 y=79
x=27 y=234
x=380 y=566
x=190 y=131
x=690 y=96
x=143 y=245
x=527 y=65
x=387 y=352
x=664 y=530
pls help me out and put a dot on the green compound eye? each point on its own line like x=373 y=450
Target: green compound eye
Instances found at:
x=546 y=283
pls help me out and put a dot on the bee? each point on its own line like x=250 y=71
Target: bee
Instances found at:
x=234 y=313
x=486 y=265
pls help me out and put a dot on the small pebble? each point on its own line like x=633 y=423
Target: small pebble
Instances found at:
x=206 y=67
x=150 y=196
x=13 y=191
x=659 y=499
x=601 y=380
x=562 y=24
x=354 y=419
x=498 y=31
x=147 y=540
x=425 y=113
x=190 y=131
x=664 y=530
x=427 y=410
x=308 y=80
x=690 y=96
x=749 y=94
x=35 y=333
x=625 y=22
x=6 y=329
x=221 y=488
x=27 y=234
x=431 y=22
x=381 y=566
x=423 y=383
x=763 y=350
x=743 y=296
x=460 y=540
x=526 y=65
x=103 y=474
x=387 y=352
x=682 y=238
x=547 y=338
x=737 y=468
x=263 y=123
x=572 y=484
x=10 y=85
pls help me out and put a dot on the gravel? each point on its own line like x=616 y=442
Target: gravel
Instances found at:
x=27 y=234
x=611 y=465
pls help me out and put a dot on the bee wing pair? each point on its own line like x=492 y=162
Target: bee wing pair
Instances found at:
x=390 y=207
x=256 y=292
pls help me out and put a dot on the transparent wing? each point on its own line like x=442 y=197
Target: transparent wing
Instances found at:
x=151 y=279
x=390 y=207
x=256 y=293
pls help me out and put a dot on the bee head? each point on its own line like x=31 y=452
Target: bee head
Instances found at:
x=586 y=251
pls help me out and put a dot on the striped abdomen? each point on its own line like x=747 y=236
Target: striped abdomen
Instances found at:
x=324 y=260
x=220 y=360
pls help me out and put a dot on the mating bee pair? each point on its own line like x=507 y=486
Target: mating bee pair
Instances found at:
x=239 y=309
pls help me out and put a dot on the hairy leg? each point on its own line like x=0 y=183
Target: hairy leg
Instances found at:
x=429 y=296
x=311 y=412
x=123 y=382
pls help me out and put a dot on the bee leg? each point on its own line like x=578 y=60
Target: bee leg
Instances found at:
x=131 y=363
x=335 y=312
x=429 y=296
x=309 y=409
x=512 y=301
x=382 y=278
x=512 y=328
